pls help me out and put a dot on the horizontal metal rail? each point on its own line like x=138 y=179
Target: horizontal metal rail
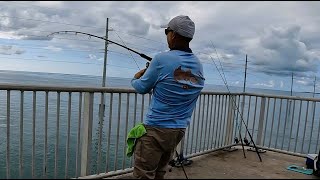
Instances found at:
x=57 y=132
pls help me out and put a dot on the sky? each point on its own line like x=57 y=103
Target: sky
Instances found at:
x=280 y=39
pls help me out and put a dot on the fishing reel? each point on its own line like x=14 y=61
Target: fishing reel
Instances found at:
x=180 y=161
x=236 y=140
x=245 y=140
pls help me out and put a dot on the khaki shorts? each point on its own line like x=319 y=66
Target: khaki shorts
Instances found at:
x=154 y=150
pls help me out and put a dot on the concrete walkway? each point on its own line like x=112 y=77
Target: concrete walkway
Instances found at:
x=233 y=165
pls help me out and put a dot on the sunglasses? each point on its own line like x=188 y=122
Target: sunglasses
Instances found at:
x=166 y=31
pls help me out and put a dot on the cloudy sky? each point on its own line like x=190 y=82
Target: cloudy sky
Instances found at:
x=280 y=38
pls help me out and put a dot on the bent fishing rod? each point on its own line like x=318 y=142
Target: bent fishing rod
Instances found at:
x=91 y=35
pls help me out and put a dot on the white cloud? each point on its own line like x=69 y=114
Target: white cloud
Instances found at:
x=217 y=56
x=282 y=50
x=95 y=57
x=235 y=83
x=49 y=3
x=270 y=84
x=92 y=56
x=302 y=82
x=281 y=84
x=8 y=35
x=53 y=48
x=10 y=50
x=305 y=81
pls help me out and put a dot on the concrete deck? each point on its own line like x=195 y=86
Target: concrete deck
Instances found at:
x=233 y=165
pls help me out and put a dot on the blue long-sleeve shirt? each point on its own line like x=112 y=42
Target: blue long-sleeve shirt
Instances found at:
x=176 y=78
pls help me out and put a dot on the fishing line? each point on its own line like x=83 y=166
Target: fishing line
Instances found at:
x=128 y=50
x=224 y=80
x=241 y=117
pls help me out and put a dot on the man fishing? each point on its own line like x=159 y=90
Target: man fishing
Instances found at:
x=176 y=80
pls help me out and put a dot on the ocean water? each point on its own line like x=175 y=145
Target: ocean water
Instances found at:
x=112 y=158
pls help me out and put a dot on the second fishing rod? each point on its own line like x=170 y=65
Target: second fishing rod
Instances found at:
x=234 y=103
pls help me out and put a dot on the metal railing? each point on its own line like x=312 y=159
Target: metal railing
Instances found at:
x=56 y=132
x=285 y=123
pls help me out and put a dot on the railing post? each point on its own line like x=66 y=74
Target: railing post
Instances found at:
x=241 y=114
x=87 y=133
x=229 y=127
x=261 y=120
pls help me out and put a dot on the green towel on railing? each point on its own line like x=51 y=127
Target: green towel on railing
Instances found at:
x=135 y=133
